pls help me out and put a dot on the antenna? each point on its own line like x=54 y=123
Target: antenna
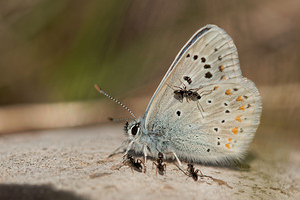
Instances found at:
x=115 y=100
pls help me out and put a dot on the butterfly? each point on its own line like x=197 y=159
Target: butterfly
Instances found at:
x=204 y=110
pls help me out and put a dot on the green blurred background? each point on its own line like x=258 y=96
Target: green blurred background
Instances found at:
x=53 y=51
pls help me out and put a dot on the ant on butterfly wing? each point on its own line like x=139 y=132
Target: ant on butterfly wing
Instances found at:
x=135 y=164
x=190 y=94
x=162 y=168
x=183 y=92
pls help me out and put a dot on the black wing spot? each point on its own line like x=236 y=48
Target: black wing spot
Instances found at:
x=207 y=66
x=187 y=79
x=216 y=129
x=208 y=75
x=223 y=121
x=220 y=58
x=178 y=113
x=188 y=55
x=235 y=89
x=203 y=59
x=208 y=150
x=227 y=111
x=195 y=57
x=225 y=104
x=218 y=143
x=216 y=49
x=208 y=101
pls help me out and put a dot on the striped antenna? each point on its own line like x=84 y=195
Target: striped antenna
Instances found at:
x=115 y=100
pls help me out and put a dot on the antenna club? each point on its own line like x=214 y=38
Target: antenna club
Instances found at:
x=97 y=88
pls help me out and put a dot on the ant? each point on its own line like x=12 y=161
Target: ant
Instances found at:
x=135 y=164
x=162 y=168
x=191 y=172
x=190 y=94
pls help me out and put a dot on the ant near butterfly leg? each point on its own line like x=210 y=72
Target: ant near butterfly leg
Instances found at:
x=191 y=172
x=162 y=168
x=134 y=164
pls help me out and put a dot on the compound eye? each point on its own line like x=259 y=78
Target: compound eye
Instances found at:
x=134 y=129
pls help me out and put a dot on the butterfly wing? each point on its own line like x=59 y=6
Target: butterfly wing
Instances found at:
x=220 y=125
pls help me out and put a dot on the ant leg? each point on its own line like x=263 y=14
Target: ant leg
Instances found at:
x=141 y=162
x=154 y=163
x=200 y=172
x=196 y=89
x=172 y=87
x=208 y=92
x=183 y=84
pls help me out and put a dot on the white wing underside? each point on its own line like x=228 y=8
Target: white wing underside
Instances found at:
x=218 y=127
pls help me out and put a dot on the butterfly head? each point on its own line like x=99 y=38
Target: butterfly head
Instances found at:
x=133 y=129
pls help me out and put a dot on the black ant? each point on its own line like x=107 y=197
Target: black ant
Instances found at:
x=191 y=172
x=162 y=168
x=190 y=94
x=135 y=164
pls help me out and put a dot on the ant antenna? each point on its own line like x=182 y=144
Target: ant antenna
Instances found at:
x=115 y=100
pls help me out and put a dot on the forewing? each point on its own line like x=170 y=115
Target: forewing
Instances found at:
x=210 y=60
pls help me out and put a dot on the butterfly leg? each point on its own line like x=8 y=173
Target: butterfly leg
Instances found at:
x=115 y=152
x=177 y=159
x=145 y=156
x=128 y=147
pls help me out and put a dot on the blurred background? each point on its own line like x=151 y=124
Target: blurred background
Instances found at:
x=52 y=52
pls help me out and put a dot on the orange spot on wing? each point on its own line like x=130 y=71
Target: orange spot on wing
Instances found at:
x=223 y=78
x=239 y=99
x=235 y=130
x=228 y=92
x=227 y=145
x=216 y=87
x=221 y=68
x=242 y=108
x=238 y=118
x=229 y=139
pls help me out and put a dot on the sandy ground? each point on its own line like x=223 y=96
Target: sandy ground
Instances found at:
x=73 y=164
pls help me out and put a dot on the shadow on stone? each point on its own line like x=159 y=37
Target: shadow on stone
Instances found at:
x=35 y=192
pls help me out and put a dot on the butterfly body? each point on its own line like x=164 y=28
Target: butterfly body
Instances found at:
x=222 y=129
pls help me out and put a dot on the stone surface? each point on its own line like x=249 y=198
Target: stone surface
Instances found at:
x=73 y=164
